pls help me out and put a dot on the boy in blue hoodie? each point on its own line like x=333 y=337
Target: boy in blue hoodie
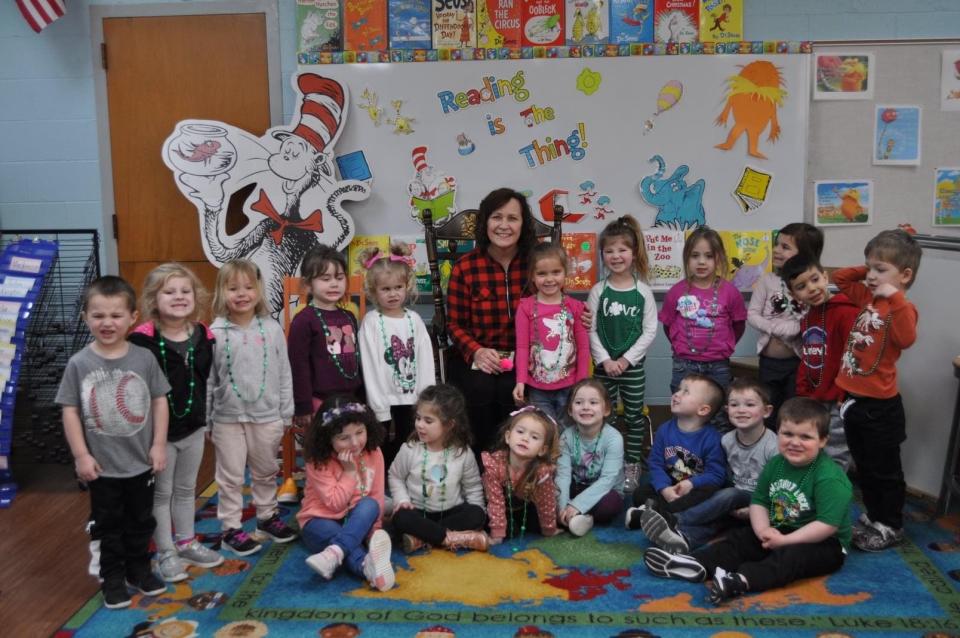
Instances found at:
x=687 y=461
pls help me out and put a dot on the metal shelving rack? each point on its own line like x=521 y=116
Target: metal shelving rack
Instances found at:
x=55 y=332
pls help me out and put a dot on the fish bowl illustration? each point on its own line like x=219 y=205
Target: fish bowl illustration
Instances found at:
x=201 y=149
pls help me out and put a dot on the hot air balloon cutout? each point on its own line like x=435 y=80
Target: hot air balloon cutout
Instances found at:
x=668 y=97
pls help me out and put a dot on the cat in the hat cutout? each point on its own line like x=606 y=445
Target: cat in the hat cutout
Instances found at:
x=297 y=201
x=431 y=189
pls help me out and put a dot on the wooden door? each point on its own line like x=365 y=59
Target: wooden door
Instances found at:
x=160 y=70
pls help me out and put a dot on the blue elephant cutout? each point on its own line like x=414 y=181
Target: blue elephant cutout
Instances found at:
x=679 y=206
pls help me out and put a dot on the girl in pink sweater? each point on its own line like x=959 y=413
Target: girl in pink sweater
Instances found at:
x=343 y=499
x=553 y=346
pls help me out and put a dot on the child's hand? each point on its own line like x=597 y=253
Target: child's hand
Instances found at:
x=683 y=488
x=669 y=494
x=612 y=368
x=87 y=468
x=586 y=319
x=885 y=290
x=496 y=540
x=302 y=420
x=772 y=539
x=518 y=394
x=346 y=459
x=743 y=513
x=158 y=457
x=406 y=505
x=568 y=512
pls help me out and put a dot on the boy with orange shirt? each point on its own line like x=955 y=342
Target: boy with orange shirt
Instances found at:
x=873 y=416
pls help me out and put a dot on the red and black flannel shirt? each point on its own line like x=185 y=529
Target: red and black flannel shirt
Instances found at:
x=481 y=302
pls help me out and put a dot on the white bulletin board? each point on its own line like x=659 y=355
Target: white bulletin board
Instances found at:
x=614 y=113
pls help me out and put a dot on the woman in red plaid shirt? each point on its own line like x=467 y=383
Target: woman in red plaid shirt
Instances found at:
x=485 y=288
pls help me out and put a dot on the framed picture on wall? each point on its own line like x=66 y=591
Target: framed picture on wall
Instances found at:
x=946 y=199
x=843 y=76
x=896 y=135
x=843 y=202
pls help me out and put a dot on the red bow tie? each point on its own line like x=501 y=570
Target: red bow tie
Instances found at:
x=312 y=223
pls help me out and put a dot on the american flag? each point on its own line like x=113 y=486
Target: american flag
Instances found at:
x=39 y=14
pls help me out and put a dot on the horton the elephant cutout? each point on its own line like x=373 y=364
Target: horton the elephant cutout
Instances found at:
x=297 y=201
x=679 y=205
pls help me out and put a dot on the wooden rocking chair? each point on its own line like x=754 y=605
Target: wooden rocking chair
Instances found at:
x=458 y=228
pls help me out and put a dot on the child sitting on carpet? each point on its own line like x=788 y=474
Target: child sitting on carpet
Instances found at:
x=435 y=481
x=343 y=498
x=799 y=513
x=590 y=469
x=519 y=471
x=687 y=462
x=748 y=447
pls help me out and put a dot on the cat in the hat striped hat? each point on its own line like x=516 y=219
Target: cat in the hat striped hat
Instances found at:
x=297 y=201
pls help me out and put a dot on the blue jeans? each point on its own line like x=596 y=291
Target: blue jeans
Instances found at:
x=553 y=402
x=719 y=371
x=347 y=534
x=701 y=522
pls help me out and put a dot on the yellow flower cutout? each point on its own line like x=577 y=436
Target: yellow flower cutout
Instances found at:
x=588 y=81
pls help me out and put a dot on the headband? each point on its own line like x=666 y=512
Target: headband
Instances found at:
x=347 y=408
x=378 y=255
x=535 y=410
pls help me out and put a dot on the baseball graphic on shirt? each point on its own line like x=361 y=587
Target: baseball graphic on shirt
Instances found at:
x=115 y=402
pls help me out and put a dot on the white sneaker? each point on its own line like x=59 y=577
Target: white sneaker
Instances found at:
x=377 y=568
x=580 y=524
x=170 y=566
x=326 y=562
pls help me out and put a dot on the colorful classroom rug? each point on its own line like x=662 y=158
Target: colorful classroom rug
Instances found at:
x=595 y=586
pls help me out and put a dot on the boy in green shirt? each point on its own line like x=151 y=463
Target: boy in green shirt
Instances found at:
x=799 y=517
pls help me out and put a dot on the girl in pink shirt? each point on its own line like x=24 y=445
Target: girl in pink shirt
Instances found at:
x=343 y=499
x=703 y=315
x=553 y=346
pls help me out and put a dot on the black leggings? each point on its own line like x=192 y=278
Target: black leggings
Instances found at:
x=432 y=526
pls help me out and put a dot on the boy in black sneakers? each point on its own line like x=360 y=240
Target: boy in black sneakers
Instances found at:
x=799 y=516
x=748 y=447
x=114 y=401
x=687 y=462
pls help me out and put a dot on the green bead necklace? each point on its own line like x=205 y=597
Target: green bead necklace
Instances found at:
x=233 y=381
x=443 y=481
x=593 y=469
x=336 y=357
x=190 y=369
x=404 y=384
x=523 y=523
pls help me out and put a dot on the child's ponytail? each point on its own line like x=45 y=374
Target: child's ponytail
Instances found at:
x=628 y=228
